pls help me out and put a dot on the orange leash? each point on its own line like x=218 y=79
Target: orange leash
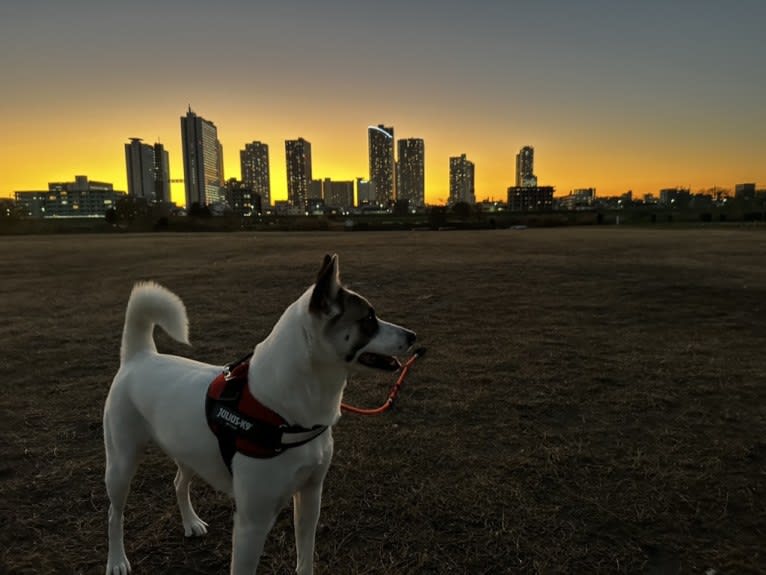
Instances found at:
x=420 y=352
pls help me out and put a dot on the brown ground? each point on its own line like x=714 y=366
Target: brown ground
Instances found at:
x=592 y=400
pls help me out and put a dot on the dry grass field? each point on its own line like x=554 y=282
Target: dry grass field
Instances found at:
x=592 y=401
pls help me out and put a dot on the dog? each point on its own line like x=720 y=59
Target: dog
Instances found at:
x=297 y=373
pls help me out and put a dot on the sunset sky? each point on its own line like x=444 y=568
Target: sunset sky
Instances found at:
x=613 y=94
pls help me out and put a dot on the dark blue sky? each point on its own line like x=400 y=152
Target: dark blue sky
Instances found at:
x=613 y=94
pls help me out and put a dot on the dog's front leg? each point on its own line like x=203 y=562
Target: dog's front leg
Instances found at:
x=248 y=539
x=306 y=505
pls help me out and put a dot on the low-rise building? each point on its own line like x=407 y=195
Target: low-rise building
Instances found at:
x=81 y=199
x=675 y=197
x=578 y=199
x=241 y=198
x=530 y=198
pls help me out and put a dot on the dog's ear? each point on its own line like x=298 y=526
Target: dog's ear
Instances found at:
x=326 y=287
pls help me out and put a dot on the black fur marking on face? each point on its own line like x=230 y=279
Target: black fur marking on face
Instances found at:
x=369 y=324
x=368 y=328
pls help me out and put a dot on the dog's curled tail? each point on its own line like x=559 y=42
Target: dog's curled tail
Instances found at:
x=151 y=304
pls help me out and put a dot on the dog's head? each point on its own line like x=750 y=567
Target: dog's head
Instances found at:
x=349 y=326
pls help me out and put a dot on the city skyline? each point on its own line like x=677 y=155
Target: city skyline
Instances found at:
x=636 y=97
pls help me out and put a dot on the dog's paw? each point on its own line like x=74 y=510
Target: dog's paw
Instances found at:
x=195 y=528
x=118 y=566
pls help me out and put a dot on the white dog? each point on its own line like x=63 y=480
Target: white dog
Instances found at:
x=273 y=415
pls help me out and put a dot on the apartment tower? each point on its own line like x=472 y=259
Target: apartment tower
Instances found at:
x=525 y=167
x=298 y=157
x=254 y=161
x=203 y=161
x=139 y=163
x=411 y=171
x=461 y=180
x=380 y=141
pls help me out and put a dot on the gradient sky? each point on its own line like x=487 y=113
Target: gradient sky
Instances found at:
x=613 y=94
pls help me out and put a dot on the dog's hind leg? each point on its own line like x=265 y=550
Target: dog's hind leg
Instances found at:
x=122 y=457
x=193 y=525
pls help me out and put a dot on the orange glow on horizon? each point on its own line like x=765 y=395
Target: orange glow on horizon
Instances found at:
x=96 y=148
x=640 y=104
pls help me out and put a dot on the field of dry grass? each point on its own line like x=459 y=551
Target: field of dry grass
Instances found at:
x=592 y=400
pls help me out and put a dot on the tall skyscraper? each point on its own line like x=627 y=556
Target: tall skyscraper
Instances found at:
x=139 y=163
x=298 y=157
x=147 y=170
x=219 y=151
x=203 y=161
x=380 y=140
x=411 y=171
x=161 y=174
x=254 y=161
x=461 y=180
x=525 y=167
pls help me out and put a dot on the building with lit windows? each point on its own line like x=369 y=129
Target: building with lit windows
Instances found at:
x=338 y=193
x=675 y=197
x=79 y=199
x=203 y=161
x=254 y=162
x=298 y=158
x=461 y=180
x=315 y=190
x=578 y=199
x=380 y=140
x=530 y=198
x=410 y=185
x=525 y=167
x=365 y=192
x=241 y=199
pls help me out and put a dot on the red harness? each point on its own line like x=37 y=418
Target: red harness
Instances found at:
x=242 y=424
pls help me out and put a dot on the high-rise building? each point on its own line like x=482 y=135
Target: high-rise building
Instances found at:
x=298 y=157
x=411 y=171
x=221 y=177
x=461 y=180
x=254 y=161
x=380 y=140
x=203 y=161
x=161 y=174
x=525 y=167
x=139 y=163
x=148 y=171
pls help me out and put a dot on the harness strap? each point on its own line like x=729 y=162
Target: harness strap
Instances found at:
x=243 y=424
